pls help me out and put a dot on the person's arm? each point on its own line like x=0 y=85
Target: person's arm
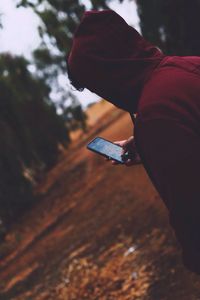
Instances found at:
x=171 y=155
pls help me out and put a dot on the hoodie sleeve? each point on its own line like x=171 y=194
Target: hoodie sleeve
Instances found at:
x=171 y=156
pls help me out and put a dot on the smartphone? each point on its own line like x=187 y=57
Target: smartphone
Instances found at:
x=107 y=149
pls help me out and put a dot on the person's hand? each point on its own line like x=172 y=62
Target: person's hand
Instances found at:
x=128 y=146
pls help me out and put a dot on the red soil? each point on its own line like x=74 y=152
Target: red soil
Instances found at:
x=98 y=232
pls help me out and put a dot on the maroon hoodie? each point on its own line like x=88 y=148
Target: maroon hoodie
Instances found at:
x=111 y=59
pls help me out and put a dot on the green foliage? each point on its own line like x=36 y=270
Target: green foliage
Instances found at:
x=59 y=20
x=96 y=4
x=1 y=26
x=30 y=132
x=75 y=117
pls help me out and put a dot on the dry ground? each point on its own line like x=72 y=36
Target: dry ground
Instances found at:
x=99 y=232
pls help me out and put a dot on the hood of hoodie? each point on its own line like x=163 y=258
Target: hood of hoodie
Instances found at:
x=111 y=58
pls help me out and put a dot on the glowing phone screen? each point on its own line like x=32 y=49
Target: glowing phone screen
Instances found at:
x=106 y=148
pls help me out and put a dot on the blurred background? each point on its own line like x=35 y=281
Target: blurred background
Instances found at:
x=51 y=188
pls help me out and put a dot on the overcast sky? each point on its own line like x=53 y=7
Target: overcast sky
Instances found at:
x=20 y=36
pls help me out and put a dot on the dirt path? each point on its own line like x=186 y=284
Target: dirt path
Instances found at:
x=99 y=232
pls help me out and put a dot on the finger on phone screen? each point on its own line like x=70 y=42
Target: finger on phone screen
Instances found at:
x=114 y=162
x=123 y=151
x=120 y=143
x=129 y=162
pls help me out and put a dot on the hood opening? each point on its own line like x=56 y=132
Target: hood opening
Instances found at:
x=111 y=58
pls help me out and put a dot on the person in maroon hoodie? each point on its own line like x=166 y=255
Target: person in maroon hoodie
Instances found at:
x=112 y=59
